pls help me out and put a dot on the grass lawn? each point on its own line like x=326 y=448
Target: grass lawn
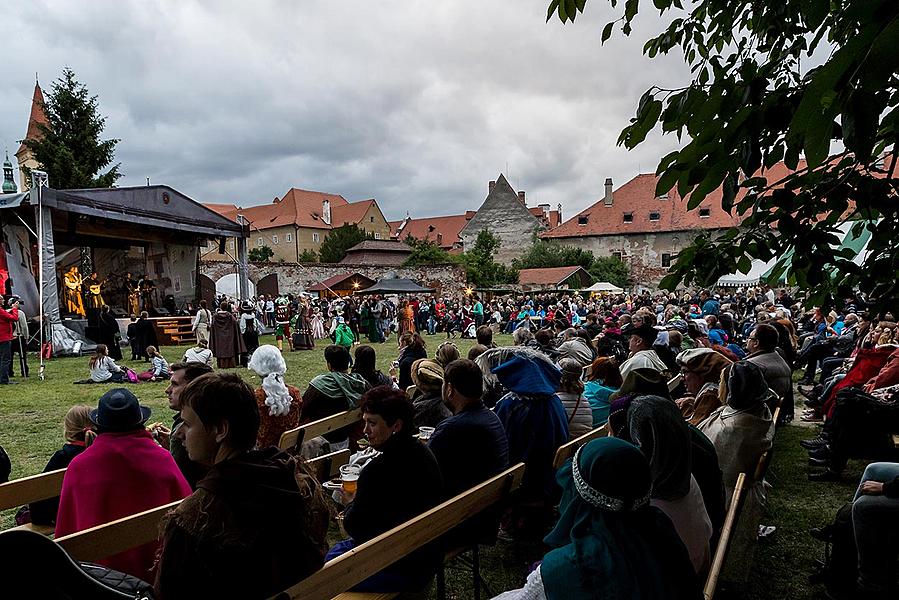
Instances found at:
x=31 y=416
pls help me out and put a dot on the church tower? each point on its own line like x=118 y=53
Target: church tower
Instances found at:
x=24 y=155
x=9 y=182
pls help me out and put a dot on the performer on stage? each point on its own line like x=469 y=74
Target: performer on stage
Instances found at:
x=130 y=295
x=94 y=295
x=147 y=288
x=72 y=292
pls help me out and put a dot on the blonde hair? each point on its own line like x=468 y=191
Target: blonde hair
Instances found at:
x=152 y=351
x=78 y=425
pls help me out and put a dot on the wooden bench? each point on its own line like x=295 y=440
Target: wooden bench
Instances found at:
x=567 y=450
x=354 y=567
x=895 y=438
x=31 y=489
x=727 y=530
x=294 y=438
x=134 y=530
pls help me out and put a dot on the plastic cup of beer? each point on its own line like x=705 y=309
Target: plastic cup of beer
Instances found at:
x=425 y=433
x=349 y=476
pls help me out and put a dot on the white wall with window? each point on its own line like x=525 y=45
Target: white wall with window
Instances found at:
x=260 y=242
x=274 y=239
x=315 y=237
x=377 y=235
x=288 y=237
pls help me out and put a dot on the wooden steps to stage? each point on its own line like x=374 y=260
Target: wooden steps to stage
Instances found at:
x=174 y=331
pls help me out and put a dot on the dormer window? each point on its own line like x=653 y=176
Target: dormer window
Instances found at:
x=654 y=216
x=628 y=217
x=582 y=219
x=662 y=196
x=705 y=213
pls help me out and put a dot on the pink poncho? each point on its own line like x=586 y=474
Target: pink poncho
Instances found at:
x=119 y=475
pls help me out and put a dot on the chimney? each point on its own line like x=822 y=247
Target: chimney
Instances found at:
x=545 y=209
x=490 y=186
x=326 y=212
x=608 y=198
x=560 y=212
x=440 y=239
x=521 y=198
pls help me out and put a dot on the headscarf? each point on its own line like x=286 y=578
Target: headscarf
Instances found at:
x=608 y=542
x=746 y=386
x=705 y=362
x=268 y=363
x=656 y=426
x=427 y=375
x=642 y=382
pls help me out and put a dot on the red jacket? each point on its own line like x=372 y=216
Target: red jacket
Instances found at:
x=7 y=320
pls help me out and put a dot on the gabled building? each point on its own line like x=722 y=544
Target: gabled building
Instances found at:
x=443 y=231
x=644 y=230
x=300 y=221
x=505 y=213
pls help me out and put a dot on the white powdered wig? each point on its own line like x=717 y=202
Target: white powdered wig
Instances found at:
x=268 y=363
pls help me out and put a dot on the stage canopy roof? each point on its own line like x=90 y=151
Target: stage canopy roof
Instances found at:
x=396 y=286
x=127 y=213
x=604 y=286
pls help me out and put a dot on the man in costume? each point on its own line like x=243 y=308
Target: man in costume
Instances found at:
x=72 y=291
x=282 y=322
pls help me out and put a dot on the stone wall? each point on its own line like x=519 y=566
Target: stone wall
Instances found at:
x=643 y=252
x=296 y=277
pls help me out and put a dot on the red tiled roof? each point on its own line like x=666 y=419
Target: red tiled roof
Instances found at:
x=548 y=276
x=351 y=213
x=551 y=220
x=637 y=198
x=381 y=246
x=229 y=211
x=442 y=230
x=37 y=116
x=302 y=208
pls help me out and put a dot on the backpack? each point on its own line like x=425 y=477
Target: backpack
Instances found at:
x=343 y=336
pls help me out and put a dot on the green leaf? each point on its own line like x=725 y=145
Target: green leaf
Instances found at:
x=552 y=9
x=606 y=32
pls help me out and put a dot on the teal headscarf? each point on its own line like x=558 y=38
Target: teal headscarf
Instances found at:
x=609 y=543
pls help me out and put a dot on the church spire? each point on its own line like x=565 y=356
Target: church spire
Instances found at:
x=36 y=118
x=9 y=183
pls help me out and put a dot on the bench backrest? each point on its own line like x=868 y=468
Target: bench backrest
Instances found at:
x=347 y=570
x=135 y=530
x=727 y=530
x=328 y=465
x=31 y=489
x=295 y=437
x=567 y=450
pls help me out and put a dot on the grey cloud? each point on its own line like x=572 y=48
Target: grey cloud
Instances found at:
x=416 y=104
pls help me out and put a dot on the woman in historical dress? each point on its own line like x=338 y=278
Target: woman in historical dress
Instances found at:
x=303 y=331
x=318 y=324
x=202 y=320
x=406 y=318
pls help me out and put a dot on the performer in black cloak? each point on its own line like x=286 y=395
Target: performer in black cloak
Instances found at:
x=146 y=335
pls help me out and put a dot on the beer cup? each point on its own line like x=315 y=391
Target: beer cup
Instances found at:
x=349 y=475
x=425 y=433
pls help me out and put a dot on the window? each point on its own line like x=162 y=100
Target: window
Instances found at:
x=288 y=237
x=377 y=235
x=628 y=217
x=704 y=213
x=582 y=220
x=616 y=255
x=666 y=259
x=371 y=219
x=654 y=216
x=315 y=237
x=231 y=244
x=260 y=242
x=662 y=197
x=274 y=239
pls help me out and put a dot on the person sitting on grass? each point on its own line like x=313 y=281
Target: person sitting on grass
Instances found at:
x=182 y=374
x=610 y=542
x=400 y=483
x=198 y=354
x=258 y=520
x=123 y=472
x=104 y=369
x=159 y=367
x=79 y=433
x=279 y=404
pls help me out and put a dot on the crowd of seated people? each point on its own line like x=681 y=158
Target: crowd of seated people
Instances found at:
x=654 y=494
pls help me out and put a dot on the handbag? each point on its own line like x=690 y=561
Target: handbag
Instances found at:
x=123 y=582
x=131 y=375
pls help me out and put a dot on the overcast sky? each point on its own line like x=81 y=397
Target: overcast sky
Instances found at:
x=415 y=103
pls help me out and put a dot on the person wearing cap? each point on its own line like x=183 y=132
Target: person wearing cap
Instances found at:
x=640 y=353
x=249 y=329
x=8 y=318
x=123 y=472
x=610 y=542
x=427 y=377
x=701 y=368
x=256 y=523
